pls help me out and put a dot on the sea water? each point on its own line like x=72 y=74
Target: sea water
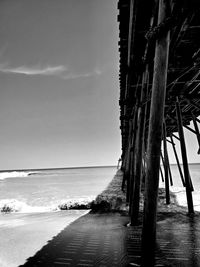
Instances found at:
x=47 y=190
x=179 y=190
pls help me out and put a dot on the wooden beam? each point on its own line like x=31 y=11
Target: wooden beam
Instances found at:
x=133 y=144
x=131 y=34
x=169 y=141
x=139 y=151
x=184 y=158
x=177 y=161
x=166 y=166
x=162 y=176
x=129 y=160
x=154 y=141
x=197 y=120
x=197 y=131
x=190 y=129
x=176 y=137
x=169 y=169
x=196 y=105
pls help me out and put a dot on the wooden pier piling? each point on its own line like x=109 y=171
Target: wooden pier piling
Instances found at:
x=184 y=158
x=154 y=141
x=166 y=168
x=144 y=28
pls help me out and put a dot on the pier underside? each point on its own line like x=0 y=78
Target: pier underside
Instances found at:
x=159 y=97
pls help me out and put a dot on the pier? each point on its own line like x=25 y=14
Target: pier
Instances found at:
x=159 y=96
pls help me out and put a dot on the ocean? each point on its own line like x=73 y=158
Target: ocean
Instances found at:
x=35 y=198
x=33 y=191
x=47 y=190
x=178 y=188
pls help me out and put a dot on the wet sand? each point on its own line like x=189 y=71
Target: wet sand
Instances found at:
x=22 y=235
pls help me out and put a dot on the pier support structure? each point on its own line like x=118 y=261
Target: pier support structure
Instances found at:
x=184 y=159
x=151 y=34
x=154 y=140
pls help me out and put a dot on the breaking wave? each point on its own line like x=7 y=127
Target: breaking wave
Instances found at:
x=180 y=193
x=13 y=174
x=14 y=205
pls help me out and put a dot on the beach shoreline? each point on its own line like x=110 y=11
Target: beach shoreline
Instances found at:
x=114 y=199
x=24 y=234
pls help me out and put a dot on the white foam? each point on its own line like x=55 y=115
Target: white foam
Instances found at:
x=14 y=205
x=181 y=197
x=13 y=174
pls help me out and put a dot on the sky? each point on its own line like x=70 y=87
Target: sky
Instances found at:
x=59 y=87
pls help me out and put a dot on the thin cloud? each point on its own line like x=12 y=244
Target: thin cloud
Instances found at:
x=59 y=71
x=82 y=75
x=35 y=70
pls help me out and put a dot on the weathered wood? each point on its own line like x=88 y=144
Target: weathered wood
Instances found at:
x=125 y=170
x=190 y=129
x=162 y=176
x=168 y=141
x=176 y=137
x=197 y=120
x=177 y=161
x=129 y=160
x=139 y=151
x=162 y=158
x=134 y=137
x=197 y=131
x=184 y=158
x=132 y=23
x=166 y=166
x=144 y=163
x=196 y=105
x=132 y=176
x=154 y=141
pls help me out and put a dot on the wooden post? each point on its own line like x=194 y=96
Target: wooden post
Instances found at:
x=131 y=36
x=132 y=176
x=139 y=150
x=166 y=166
x=134 y=137
x=129 y=160
x=162 y=177
x=197 y=131
x=162 y=158
x=177 y=161
x=184 y=158
x=125 y=169
x=169 y=169
x=154 y=141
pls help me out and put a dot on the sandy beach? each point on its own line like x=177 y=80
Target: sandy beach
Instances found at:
x=28 y=233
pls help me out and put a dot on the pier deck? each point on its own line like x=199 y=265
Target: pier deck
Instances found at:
x=102 y=239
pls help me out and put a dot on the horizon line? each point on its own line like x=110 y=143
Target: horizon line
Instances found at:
x=58 y=168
